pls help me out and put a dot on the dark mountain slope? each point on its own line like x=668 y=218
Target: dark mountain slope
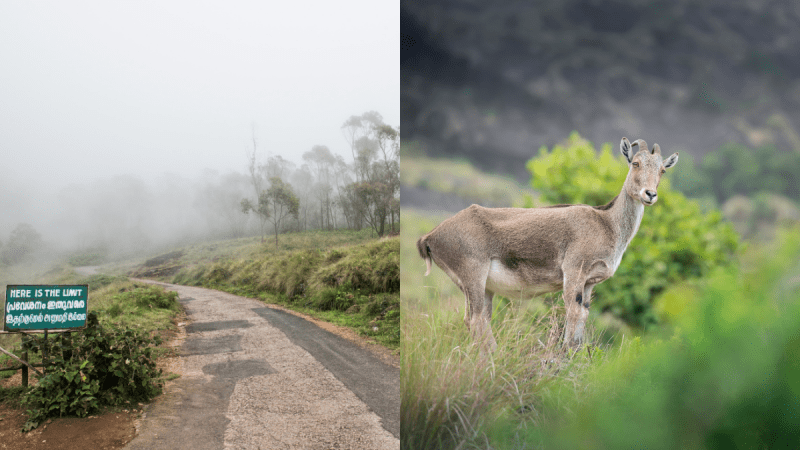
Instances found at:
x=494 y=81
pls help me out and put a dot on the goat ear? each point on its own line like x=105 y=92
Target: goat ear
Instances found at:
x=625 y=148
x=671 y=161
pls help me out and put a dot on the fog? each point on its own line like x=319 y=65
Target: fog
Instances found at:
x=132 y=122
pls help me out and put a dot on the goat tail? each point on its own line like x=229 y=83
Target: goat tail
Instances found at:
x=425 y=253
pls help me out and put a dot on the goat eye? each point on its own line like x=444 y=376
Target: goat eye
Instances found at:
x=635 y=164
x=663 y=171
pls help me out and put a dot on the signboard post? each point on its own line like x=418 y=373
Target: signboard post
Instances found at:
x=51 y=307
x=32 y=308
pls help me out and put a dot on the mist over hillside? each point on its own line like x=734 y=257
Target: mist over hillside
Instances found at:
x=496 y=81
x=133 y=213
x=129 y=213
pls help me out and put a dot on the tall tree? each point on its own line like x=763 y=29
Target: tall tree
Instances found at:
x=372 y=195
x=322 y=161
x=387 y=139
x=259 y=208
x=303 y=180
x=274 y=205
x=256 y=171
x=281 y=202
x=342 y=179
x=358 y=131
x=278 y=167
x=355 y=129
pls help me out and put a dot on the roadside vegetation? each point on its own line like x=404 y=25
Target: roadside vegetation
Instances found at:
x=691 y=344
x=109 y=363
x=345 y=277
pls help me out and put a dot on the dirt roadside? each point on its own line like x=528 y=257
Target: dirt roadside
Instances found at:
x=258 y=377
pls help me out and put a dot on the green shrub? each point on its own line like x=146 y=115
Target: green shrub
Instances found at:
x=393 y=315
x=334 y=299
x=191 y=276
x=114 y=310
x=98 y=366
x=376 y=305
x=676 y=240
x=371 y=268
x=218 y=274
x=149 y=297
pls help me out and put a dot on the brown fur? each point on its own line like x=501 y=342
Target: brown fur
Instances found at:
x=521 y=253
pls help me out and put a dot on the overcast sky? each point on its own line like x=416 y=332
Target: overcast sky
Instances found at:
x=91 y=89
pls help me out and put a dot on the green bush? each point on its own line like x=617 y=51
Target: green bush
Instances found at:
x=149 y=297
x=334 y=299
x=371 y=268
x=378 y=304
x=218 y=274
x=676 y=240
x=290 y=275
x=98 y=366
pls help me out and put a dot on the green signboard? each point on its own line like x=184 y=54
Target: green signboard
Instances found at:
x=45 y=307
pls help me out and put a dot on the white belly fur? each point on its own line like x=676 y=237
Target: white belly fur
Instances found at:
x=503 y=281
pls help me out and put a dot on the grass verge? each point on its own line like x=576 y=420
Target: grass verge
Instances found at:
x=342 y=277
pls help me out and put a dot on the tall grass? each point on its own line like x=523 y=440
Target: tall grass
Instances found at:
x=370 y=267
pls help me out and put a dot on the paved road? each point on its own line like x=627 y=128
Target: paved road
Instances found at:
x=259 y=378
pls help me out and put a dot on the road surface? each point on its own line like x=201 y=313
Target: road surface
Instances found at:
x=254 y=377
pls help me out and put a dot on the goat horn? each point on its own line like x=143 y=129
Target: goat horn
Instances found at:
x=641 y=143
x=656 y=149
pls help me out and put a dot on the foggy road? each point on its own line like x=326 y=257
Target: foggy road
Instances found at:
x=257 y=377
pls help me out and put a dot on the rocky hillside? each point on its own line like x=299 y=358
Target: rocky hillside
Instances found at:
x=494 y=81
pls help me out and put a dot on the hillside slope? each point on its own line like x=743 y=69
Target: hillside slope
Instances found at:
x=495 y=81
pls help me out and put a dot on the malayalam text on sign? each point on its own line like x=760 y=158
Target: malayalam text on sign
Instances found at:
x=45 y=307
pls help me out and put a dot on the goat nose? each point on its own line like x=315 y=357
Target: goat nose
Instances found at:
x=651 y=194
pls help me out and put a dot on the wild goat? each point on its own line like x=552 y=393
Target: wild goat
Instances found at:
x=521 y=253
